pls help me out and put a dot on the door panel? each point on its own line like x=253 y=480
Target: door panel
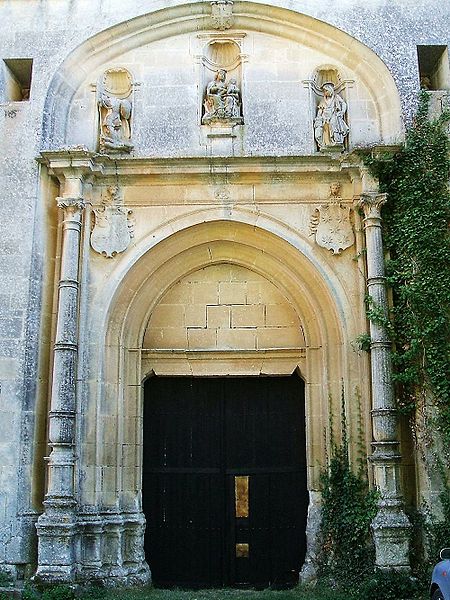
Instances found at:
x=200 y=434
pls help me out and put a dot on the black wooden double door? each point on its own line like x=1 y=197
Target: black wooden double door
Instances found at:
x=224 y=480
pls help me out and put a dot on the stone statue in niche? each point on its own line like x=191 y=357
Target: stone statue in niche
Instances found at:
x=223 y=101
x=115 y=108
x=115 y=131
x=331 y=223
x=113 y=229
x=330 y=128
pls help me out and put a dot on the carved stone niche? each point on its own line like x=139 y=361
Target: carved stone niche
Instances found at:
x=221 y=83
x=115 y=107
x=329 y=107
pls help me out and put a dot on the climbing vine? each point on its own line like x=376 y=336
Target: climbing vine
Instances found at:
x=348 y=507
x=416 y=236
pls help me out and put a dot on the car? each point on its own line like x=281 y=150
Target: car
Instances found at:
x=440 y=580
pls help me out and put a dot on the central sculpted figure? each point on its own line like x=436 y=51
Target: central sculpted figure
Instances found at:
x=330 y=128
x=222 y=100
x=115 y=130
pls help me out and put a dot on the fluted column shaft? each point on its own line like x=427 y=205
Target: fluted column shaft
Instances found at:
x=390 y=526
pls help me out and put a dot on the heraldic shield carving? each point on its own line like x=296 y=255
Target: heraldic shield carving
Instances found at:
x=113 y=229
x=332 y=228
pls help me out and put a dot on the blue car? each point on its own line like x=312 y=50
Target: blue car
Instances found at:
x=440 y=580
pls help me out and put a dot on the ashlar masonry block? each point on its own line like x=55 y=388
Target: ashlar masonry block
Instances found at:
x=248 y=316
x=218 y=317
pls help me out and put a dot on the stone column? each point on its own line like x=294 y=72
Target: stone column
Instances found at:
x=390 y=526
x=56 y=527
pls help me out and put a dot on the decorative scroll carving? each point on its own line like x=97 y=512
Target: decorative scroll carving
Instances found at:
x=113 y=229
x=330 y=128
x=222 y=14
x=222 y=100
x=115 y=109
x=74 y=204
x=331 y=224
x=371 y=203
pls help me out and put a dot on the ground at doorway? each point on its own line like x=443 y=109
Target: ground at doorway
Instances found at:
x=222 y=594
x=64 y=592
x=299 y=593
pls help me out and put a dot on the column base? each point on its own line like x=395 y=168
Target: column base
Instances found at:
x=120 y=577
x=112 y=549
x=308 y=573
x=391 y=531
x=92 y=548
x=57 y=532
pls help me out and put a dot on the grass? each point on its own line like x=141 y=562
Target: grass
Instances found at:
x=299 y=593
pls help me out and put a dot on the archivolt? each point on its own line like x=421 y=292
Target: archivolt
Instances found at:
x=138 y=284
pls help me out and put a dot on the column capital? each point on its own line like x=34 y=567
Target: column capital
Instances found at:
x=70 y=204
x=371 y=203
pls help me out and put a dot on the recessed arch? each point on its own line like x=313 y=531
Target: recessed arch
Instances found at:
x=121 y=314
x=118 y=364
x=205 y=237
x=108 y=45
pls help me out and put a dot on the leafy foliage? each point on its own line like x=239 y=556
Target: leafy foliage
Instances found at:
x=57 y=592
x=348 y=507
x=438 y=530
x=362 y=342
x=5 y=579
x=416 y=236
x=388 y=585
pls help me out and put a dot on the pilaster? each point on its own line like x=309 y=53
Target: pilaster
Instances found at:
x=390 y=526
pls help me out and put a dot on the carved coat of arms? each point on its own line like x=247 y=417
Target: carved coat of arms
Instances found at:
x=113 y=229
x=332 y=228
x=222 y=14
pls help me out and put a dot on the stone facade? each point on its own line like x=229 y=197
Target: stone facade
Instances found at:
x=140 y=237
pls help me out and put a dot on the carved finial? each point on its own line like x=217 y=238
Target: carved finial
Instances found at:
x=222 y=14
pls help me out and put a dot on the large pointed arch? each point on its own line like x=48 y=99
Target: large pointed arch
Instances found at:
x=121 y=310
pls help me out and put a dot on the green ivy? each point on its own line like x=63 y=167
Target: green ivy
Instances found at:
x=416 y=236
x=348 y=508
x=5 y=579
x=389 y=585
x=437 y=530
